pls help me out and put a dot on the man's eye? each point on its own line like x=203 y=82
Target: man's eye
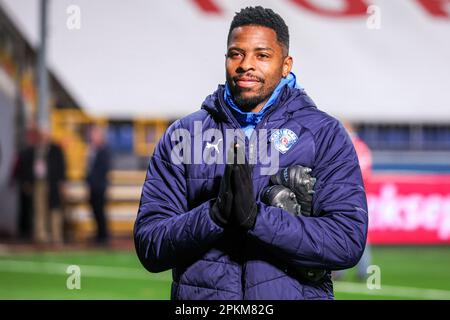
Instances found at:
x=234 y=54
x=263 y=56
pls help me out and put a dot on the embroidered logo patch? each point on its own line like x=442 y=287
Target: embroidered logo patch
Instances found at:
x=283 y=139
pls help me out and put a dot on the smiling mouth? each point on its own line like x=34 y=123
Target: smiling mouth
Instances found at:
x=246 y=82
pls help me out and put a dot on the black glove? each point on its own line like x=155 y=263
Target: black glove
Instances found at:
x=221 y=209
x=244 y=205
x=298 y=179
x=235 y=204
x=281 y=197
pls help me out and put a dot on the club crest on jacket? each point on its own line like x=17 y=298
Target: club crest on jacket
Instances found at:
x=283 y=139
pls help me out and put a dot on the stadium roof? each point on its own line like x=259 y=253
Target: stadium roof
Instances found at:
x=162 y=58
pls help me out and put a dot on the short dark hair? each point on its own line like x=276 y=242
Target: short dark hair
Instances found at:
x=261 y=17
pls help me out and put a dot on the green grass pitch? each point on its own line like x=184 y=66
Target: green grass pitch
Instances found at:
x=406 y=273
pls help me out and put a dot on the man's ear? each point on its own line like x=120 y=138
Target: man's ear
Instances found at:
x=287 y=66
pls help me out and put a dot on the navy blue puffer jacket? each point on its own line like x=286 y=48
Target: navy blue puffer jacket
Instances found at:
x=173 y=229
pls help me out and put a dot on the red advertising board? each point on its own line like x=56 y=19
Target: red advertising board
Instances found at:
x=409 y=208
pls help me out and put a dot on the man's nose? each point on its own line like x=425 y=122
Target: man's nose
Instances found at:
x=247 y=63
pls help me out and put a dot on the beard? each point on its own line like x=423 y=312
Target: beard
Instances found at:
x=248 y=103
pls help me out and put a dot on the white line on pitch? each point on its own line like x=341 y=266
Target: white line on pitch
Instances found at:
x=392 y=291
x=56 y=268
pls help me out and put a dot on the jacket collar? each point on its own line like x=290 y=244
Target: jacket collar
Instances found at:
x=289 y=100
x=252 y=118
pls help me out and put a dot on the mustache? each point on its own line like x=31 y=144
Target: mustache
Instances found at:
x=248 y=76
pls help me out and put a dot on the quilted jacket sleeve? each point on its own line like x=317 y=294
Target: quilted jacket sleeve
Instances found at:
x=166 y=233
x=334 y=239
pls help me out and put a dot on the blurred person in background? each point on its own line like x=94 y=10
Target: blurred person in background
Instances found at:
x=42 y=173
x=98 y=165
x=365 y=162
x=22 y=175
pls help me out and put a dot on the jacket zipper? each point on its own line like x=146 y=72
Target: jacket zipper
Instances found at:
x=234 y=122
x=247 y=143
x=236 y=125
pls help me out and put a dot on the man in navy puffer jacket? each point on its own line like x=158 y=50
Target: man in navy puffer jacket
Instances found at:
x=201 y=212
